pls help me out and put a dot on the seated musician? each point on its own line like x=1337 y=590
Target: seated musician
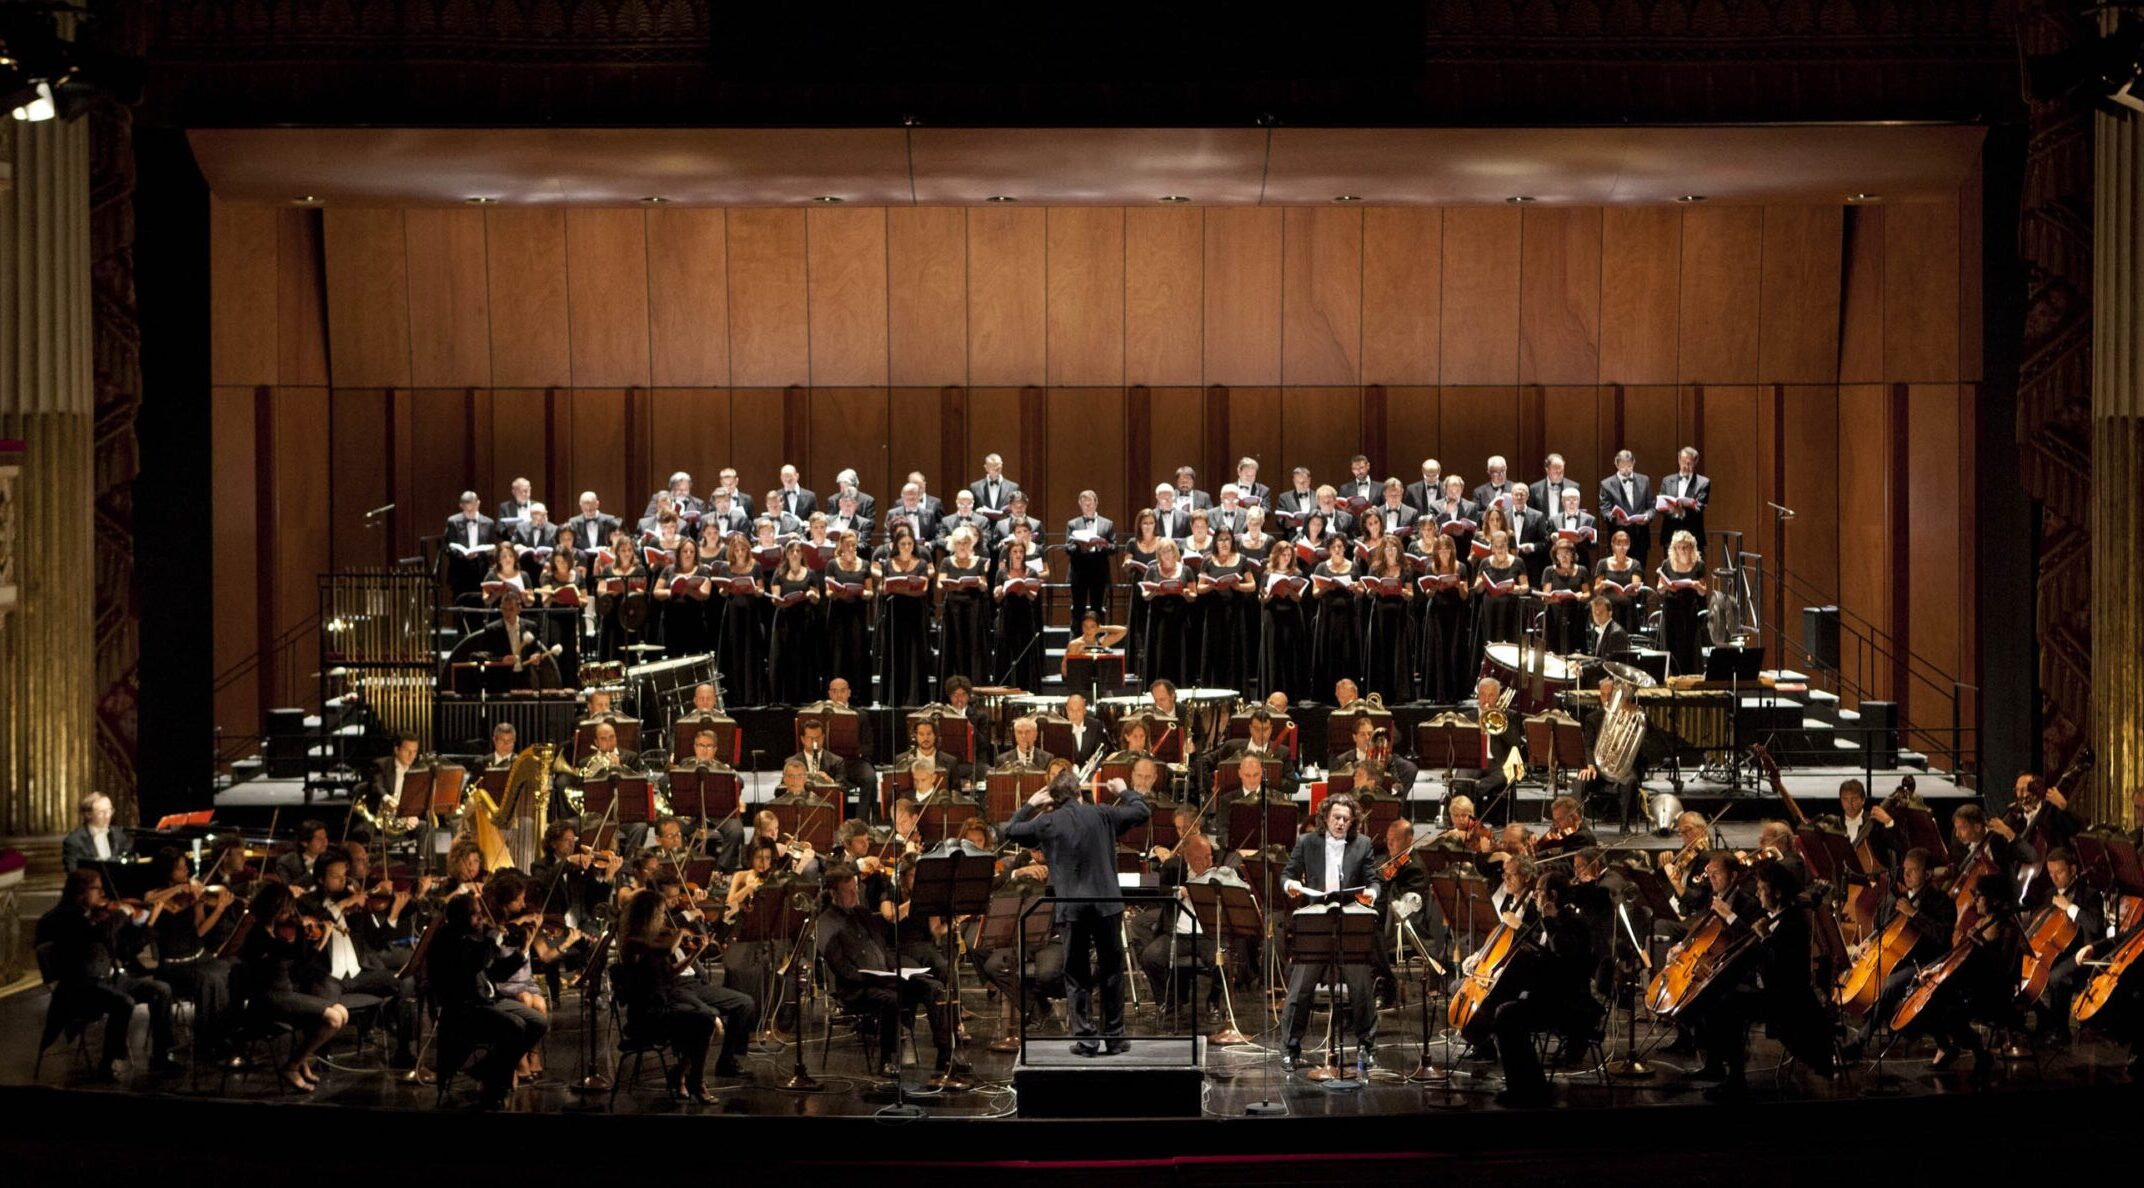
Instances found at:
x=1512 y=841
x=1508 y=901
x=1467 y=830
x=792 y=855
x=1933 y=916
x=605 y=756
x=517 y=638
x=728 y=833
x=748 y=966
x=1983 y=989
x=1089 y=737
x=1259 y=743
x=926 y=753
x=295 y=867
x=2065 y=890
x=1135 y=743
x=1162 y=695
x=1373 y=747
x=852 y=938
x=689 y=909
x=382 y=794
x=1860 y=823
x=1593 y=785
x=1496 y=749
x=2122 y=1018
x=1026 y=752
x=285 y=981
x=1178 y=941
x=354 y=964
x=1333 y=857
x=1020 y=875
x=1769 y=983
x=856 y=773
x=571 y=877
x=88 y=935
x=1546 y=988
x=651 y=953
x=1775 y=843
x=465 y=954
x=1567 y=829
x=183 y=915
x=503 y=739
x=96 y=839
x=1976 y=847
x=599 y=708
x=2039 y=818
x=1603 y=895
x=1406 y=902
x=465 y=870
x=813 y=755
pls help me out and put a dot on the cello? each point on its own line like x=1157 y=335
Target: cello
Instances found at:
x=2045 y=942
x=2098 y=992
x=1695 y=964
x=1886 y=951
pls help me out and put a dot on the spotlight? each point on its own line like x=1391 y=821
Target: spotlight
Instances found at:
x=1001 y=198
x=1172 y=198
x=38 y=105
x=1520 y=198
x=306 y=200
x=1864 y=197
x=480 y=200
x=654 y=200
x=1347 y=197
x=1691 y=198
x=830 y=199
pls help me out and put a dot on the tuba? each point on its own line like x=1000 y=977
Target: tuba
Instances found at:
x=1615 y=749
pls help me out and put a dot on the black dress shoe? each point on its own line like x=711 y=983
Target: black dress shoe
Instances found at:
x=1086 y=1048
x=1293 y=1061
x=1479 y=1054
x=1117 y=1047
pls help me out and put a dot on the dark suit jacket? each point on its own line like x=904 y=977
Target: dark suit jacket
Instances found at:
x=1612 y=498
x=512 y=509
x=1307 y=865
x=807 y=502
x=1420 y=494
x=78 y=847
x=1547 y=502
x=1101 y=527
x=83 y=950
x=1370 y=489
x=529 y=536
x=1694 y=519
x=1041 y=759
x=1486 y=494
x=577 y=531
x=1614 y=640
x=1079 y=844
x=980 y=489
x=923 y=519
x=735 y=522
x=1257 y=493
x=1407 y=516
x=1094 y=740
x=1292 y=500
x=487 y=529
x=1177 y=524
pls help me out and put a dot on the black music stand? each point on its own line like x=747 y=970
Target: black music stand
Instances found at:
x=706 y=793
x=1096 y=676
x=942 y=816
x=1333 y=932
x=785 y=909
x=953 y=879
x=728 y=740
x=1830 y=858
x=584 y=736
x=1562 y=739
x=2109 y=862
x=1228 y=910
x=625 y=791
x=1450 y=739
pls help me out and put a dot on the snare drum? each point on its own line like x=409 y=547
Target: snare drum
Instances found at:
x=1510 y=664
x=602 y=673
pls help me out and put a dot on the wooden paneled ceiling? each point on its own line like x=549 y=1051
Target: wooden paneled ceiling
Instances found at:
x=1086 y=166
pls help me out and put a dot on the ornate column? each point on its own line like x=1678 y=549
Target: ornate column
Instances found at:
x=2117 y=466
x=48 y=642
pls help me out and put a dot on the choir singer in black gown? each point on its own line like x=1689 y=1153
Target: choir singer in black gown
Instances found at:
x=904 y=579
x=1018 y=594
x=963 y=611
x=1079 y=845
x=851 y=595
x=794 y=655
x=742 y=655
x=1283 y=650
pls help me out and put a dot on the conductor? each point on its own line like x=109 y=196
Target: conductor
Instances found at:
x=1079 y=843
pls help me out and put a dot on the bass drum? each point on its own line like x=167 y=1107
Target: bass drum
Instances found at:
x=1509 y=664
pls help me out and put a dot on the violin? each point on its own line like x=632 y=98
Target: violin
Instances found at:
x=1393 y=866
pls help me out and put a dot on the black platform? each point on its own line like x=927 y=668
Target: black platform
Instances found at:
x=1158 y=1078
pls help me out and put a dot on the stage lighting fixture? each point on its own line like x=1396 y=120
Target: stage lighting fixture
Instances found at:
x=1347 y=197
x=1520 y=198
x=39 y=105
x=1172 y=198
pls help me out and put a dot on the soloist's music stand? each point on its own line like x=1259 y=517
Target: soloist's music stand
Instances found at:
x=1227 y=910
x=953 y=879
x=1335 y=932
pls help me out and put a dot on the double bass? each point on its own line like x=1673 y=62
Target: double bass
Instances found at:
x=1475 y=990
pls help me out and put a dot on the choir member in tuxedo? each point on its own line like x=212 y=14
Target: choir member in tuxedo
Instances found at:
x=1163 y=651
x=514 y=509
x=848 y=516
x=1358 y=489
x=681 y=591
x=536 y=531
x=1188 y=496
x=1680 y=607
x=1546 y=494
x=83 y=940
x=1336 y=641
x=1172 y=517
x=964 y=610
x=1016 y=518
x=1227 y=599
x=1088 y=734
x=1446 y=662
x=1685 y=483
x=1621 y=577
x=1338 y=520
x=1424 y=493
x=726 y=481
x=468 y=541
x=1298 y=500
x=1566 y=620
x=965 y=516
x=912 y=513
x=773 y=512
x=993 y=492
x=651 y=526
x=1091 y=540
x=794 y=497
x=851 y=600
x=795 y=657
x=1137 y=561
x=591 y=530
x=724 y=515
x=1570 y=518
x=1624 y=495
x=1498 y=484
x=846 y=483
x=741 y=653
x=1249 y=491
x=1334 y=856
x=1018 y=641
x=1393 y=509
x=905 y=638
x=1228 y=513
x=679 y=491
x=1500 y=611
x=1453 y=507
x=1284 y=630
x=1529 y=533
x=1388 y=599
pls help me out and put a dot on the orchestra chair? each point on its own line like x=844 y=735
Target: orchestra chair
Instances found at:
x=61 y=1015
x=1592 y=1048
x=450 y=1054
x=863 y=1024
x=638 y=1046
x=253 y=1041
x=364 y=1016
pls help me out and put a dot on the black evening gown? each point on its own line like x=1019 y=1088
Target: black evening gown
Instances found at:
x=1629 y=611
x=1284 y=647
x=1226 y=656
x=1678 y=619
x=1499 y=612
x=1163 y=647
x=1137 y=565
x=742 y=654
x=796 y=658
x=1336 y=641
x=684 y=619
x=1566 y=620
x=1446 y=669
x=1018 y=642
x=848 y=633
x=964 y=625
x=1388 y=647
x=905 y=649
x=613 y=633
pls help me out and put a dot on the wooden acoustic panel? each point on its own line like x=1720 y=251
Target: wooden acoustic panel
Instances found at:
x=1474 y=423
x=1411 y=431
x=1920 y=292
x=1085 y=441
x=1865 y=541
x=1721 y=247
x=1935 y=502
x=1402 y=290
x=1164 y=295
x=927 y=302
x=1641 y=269
x=770 y=334
x=1086 y=297
x=1861 y=316
x=243 y=317
x=1560 y=295
x=518 y=450
x=1321 y=295
x=607 y=296
x=368 y=298
x=848 y=296
x=1242 y=296
x=688 y=297
x=525 y=258
x=1256 y=428
x=1321 y=428
x=1798 y=304
x=1479 y=310
x=1008 y=319
x=449 y=299
x=235 y=544
x=1175 y=432
x=301 y=299
x=848 y=431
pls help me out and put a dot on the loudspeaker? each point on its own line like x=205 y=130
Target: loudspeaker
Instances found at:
x=1820 y=636
x=1879 y=732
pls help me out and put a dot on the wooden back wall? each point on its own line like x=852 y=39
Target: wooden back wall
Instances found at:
x=1825 y=358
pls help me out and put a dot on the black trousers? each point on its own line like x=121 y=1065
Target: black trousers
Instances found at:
x=115 y=999
x=2063 y=983
x=1094 y=960
x=1090 y=586
x=1303 y=981
x=894 y=1006
x=1190 y=952
x=739 y=1014
x=1896 y=983
x=207 y=982
x=506 y=1030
